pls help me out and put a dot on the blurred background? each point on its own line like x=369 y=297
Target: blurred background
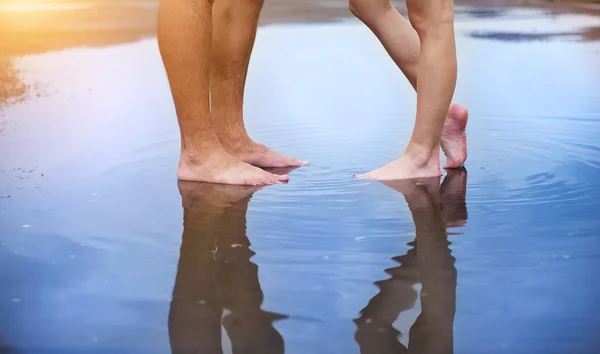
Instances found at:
x=36 y=26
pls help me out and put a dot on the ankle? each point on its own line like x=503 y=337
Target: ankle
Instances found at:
x=235 y=138
x=422 y=156
x=199 y=156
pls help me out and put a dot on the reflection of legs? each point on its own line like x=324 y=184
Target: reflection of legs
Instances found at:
x=433 y=330
x=432 y=333
x=235 y=24
x=375 y=332
x=453 y=194
x=185 y=42
x=433 y=22
x=249 y=327
x=195 y=314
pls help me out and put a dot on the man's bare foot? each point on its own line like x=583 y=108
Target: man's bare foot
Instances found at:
x=280 y=170
x=406 y=167
x=256 y=154
x=220 y=167
x=454 y=137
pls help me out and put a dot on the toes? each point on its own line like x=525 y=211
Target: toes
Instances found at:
x=263 y=181
x=280 y=160
x=453 y=165
x=270 y=158
x=281 y=178
x=292 y=162
x=267 y=181
x=276 y=159
x=270 y=178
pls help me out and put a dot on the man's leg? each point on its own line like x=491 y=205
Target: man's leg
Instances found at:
x=234 y=31
x=402 y=43
x=184 y=38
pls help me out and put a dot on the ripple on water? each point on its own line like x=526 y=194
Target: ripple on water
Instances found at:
x=536 y=161
x=530 y=246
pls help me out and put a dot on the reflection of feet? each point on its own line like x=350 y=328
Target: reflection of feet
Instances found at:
x=454 y=137
x=406 y=167
x=420 y=193
x=258 y=155
x=219 y=166
x=453 y=194
x=217 y=195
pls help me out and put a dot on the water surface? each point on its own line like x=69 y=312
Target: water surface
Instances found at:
x=102 y=251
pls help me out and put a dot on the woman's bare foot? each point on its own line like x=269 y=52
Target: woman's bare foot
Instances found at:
x=218 y=166
x=256 y=154
x=420 y=165
x=454 y=137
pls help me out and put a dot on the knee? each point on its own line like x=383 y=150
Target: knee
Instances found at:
x=231 y=11
x=426 y=20
x=368 y=11
x=419 y=22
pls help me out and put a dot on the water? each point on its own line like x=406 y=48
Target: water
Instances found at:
x=102 y=251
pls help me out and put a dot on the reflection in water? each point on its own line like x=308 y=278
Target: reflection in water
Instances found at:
x=11 y=87
x=430 y=263
x=484 y=12
x=216 y=281
x=587 y=34
x=82 y=232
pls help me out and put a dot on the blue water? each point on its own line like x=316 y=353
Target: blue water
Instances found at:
x=102 y=251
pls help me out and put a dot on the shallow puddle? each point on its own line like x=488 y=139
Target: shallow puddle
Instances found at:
x=102 y=251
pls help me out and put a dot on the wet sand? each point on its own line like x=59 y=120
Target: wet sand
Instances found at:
x=102 y=251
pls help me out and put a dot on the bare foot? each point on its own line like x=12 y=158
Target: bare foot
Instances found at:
x=454 y=137
x=280 y=170
x=406 y=167
x=258 y=155
x=220 y=167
